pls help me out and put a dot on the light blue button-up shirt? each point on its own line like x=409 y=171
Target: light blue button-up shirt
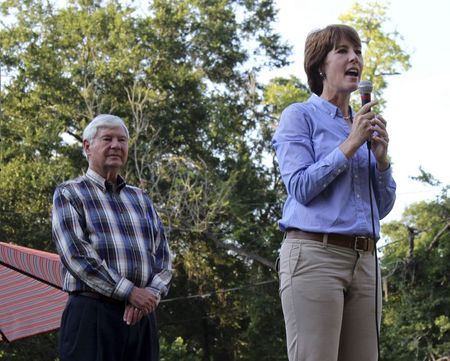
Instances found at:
x=326 y=191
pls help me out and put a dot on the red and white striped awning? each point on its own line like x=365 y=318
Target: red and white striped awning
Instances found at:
x=31 y=299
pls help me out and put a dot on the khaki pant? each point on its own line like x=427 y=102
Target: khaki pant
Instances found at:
x=328 y=298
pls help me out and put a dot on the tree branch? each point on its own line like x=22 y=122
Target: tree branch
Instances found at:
x=435 y=240
x=240 y=251
x=77 y=137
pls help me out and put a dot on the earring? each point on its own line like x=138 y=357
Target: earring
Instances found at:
x=322 y=75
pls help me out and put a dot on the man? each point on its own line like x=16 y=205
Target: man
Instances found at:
x=116 y=259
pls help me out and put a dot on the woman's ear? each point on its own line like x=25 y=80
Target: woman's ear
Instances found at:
x=322 y=74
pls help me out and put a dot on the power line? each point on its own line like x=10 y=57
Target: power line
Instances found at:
x=205 y=295
x=225 y=290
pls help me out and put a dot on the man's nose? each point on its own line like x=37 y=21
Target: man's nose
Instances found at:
x=115 y=143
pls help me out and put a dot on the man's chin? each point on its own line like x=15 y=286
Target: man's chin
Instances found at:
x=114 y=165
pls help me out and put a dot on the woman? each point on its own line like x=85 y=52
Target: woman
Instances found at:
x=328 y=270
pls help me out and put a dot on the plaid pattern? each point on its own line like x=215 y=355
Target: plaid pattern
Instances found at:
x=109 y=241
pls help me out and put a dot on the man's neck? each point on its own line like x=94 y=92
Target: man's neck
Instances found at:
x=110 y=175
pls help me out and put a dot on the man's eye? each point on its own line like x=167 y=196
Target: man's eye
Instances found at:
x=106 y=139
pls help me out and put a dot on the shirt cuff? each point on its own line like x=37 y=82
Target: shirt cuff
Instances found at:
x=123 y=289
x=383 y=177
x=156 y=292
x=340 y=160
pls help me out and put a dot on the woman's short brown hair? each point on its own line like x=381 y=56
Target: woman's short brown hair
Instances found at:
x=318 y=44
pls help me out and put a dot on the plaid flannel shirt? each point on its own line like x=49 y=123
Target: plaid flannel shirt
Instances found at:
x=109 y=241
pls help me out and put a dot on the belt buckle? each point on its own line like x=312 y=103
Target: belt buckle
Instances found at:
x=365 y=242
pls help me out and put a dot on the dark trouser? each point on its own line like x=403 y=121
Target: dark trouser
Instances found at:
x=94 y=330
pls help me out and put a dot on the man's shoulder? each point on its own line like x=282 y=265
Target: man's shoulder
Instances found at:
x=136 y=190
x=139 y=193
x=73 y=183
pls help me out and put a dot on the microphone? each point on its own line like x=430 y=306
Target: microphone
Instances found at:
x=365 y=89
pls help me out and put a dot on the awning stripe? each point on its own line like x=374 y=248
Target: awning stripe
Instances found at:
x=30 y=299
x=44 y=266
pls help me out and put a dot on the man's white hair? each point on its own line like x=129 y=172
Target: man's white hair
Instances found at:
x=102 y=121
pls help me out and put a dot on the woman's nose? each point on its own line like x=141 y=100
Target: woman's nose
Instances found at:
x=354 y=57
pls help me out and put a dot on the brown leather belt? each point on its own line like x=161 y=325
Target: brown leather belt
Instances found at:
x=97 y=296
x=357 y=243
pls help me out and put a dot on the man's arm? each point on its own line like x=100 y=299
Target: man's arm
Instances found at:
x=162 y=260
x=77 y=253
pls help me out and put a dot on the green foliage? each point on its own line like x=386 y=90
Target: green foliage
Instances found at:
x=37 y=348
x=175 y=351
x=178 y=73
x=281 y=92
x=182 y=74
x=416 y=272
x=383 y=54
x=426 y=178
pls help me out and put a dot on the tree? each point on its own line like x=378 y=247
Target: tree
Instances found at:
x=183 y=75
x=179 y=75
x=383 y=54
x=416 y=271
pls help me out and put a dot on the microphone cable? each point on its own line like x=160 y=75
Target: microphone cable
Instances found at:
x=377 y=326
x=372 y=217
x=365 y=89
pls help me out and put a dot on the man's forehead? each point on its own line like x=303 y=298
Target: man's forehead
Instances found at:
x=118 y=131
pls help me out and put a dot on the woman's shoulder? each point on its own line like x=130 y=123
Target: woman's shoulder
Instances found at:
x=300 y=111
x=300 y=107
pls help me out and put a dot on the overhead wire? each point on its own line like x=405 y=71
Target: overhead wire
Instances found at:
x=213 y=292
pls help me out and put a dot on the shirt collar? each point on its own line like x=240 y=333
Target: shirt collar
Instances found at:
x=324 y=105
x=102 y=183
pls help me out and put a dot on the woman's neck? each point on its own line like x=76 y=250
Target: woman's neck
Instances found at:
x=340 y=100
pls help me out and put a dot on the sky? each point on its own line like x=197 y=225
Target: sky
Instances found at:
x=418 y=123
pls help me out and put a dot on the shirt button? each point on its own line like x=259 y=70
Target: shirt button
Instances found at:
x=358 y=196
